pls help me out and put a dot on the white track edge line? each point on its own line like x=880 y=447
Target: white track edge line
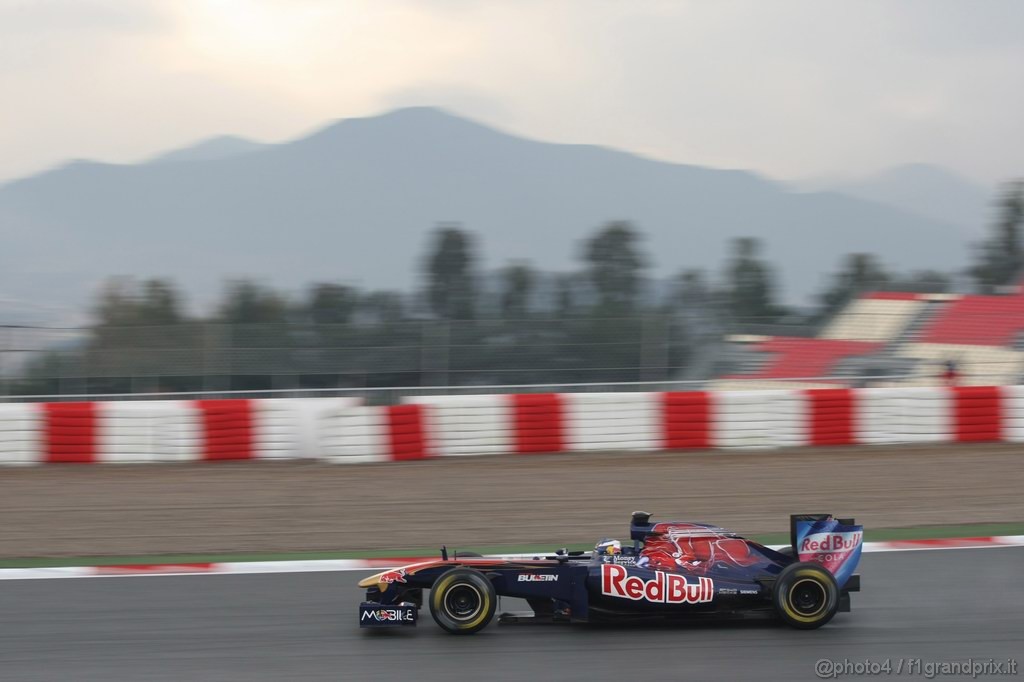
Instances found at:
x=341 y=565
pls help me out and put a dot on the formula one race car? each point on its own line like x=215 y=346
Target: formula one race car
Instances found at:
x=670 y=570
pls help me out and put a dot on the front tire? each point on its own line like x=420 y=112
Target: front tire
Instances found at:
x=806 y=596
x=462 y=601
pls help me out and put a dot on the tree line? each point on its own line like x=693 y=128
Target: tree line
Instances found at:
x=608 y=320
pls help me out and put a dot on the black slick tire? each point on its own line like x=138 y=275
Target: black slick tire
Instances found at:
x=462 y=601
x=806 y=596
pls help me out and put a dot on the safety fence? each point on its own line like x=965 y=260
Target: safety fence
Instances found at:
x=421 y=427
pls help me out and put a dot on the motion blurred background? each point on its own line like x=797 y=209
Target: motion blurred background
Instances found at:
x=558 y=232
x=568 y=194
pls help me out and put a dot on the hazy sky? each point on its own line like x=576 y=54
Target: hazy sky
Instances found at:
x=792 y=88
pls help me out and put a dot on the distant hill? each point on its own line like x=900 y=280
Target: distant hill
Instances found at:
x=213 y=149
x=925 y=189
x=356 y=201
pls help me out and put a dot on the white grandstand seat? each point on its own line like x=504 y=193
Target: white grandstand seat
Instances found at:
x=880 y=317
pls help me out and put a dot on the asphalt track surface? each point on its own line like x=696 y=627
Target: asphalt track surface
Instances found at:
x=942 y=605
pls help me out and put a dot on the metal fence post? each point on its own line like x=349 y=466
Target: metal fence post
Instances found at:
x=434 y=355
x=207 y=332
x=653 y=348
x=424 y=363
x=445 y=346
x=4 y=350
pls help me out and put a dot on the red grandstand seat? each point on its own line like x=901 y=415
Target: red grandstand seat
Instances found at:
x=802 y=358
x=978 y=321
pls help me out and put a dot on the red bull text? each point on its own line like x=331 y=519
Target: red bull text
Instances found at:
x=663 y=588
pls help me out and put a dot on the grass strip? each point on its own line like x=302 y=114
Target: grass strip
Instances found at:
x=879 y=534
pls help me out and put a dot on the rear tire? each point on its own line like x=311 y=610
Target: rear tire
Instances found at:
x=462 y=601
x=806 y=596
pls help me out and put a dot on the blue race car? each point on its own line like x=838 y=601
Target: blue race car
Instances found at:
x=669 y=570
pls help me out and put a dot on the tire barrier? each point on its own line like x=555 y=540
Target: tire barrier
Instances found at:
x=537 y=420
x=687 y=420
x=138 y=432
x=345 y=430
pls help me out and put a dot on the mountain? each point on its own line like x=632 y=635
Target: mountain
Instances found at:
x=356 y=201
x=927 y=190
x=213 y=149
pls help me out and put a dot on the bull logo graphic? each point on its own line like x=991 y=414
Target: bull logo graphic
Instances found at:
x=396 y=576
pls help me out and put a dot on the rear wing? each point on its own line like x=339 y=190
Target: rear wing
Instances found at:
x=833 y=543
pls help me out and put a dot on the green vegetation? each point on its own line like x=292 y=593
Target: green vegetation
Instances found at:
x=1001 y=255
x=608 y=321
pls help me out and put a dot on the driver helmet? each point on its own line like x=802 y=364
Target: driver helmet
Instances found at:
x=608 y=547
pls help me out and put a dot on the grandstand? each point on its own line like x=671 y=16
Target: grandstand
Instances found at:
x=785 y=358
x=905 y=337
x=879 y=317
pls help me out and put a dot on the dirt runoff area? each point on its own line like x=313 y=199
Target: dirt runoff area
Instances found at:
x=486 y=501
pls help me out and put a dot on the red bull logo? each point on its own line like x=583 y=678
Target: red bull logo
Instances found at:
x=396 y=576
x=831 y=550
x=831 y=542
x=663 y=588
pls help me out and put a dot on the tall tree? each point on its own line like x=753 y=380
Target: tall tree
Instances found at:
x=691 y=291
x=247 y=302
x=451 y=286
x=615 y=266
x=332 y=303
x=123 y=302
x=135 y=324
x=564 y=295
x=1001 y=256
x=860 y=273
x=751 y=291
x=516 y=288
